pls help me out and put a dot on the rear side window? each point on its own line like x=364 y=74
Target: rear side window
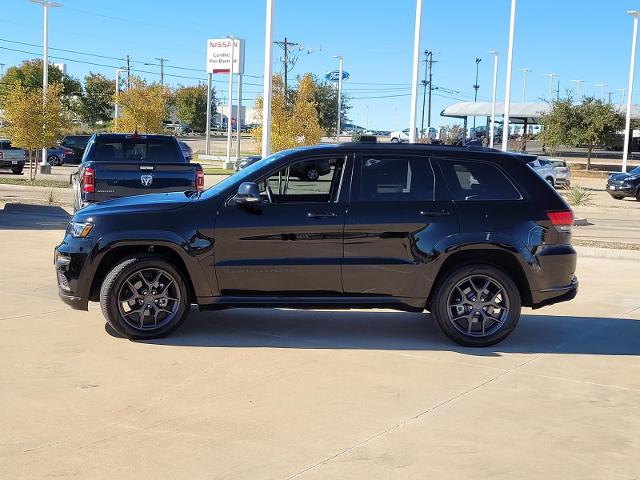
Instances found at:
x=477 y=181
x=136 y=150
x=395 y=179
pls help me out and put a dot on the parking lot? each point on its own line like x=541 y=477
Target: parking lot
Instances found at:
x=314 y=394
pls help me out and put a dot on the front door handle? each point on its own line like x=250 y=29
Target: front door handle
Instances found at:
x=434 y=213
x=321 y=214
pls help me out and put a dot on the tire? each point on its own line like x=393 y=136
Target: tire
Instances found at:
x=312 y=174
x=550 y=182
x=638 y=195
x=395 y=140
x=617 y=197
x=17 y=170
x=53 y=160
x=121 y=281
x=486 y=328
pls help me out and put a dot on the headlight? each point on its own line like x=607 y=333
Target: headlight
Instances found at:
x=633 y=177
x=79 y=229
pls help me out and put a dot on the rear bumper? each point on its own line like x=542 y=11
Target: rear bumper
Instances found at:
x=10 y=163
x=550 y=296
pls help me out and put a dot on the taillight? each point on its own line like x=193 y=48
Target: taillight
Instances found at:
x=88 y=180
x=199 y=180
x=561 y=220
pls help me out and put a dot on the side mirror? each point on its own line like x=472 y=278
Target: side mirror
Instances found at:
x=248 y=194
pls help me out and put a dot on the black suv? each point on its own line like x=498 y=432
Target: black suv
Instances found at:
x=77 y=143
x=469 y=234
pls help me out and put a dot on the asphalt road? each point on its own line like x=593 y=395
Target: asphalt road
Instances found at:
x=278 y=394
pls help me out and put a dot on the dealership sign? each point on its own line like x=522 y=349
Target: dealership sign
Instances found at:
x=219 y=55
x=334 y=75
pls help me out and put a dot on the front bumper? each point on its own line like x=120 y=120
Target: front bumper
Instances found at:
x=625 y=190
x=73 y=280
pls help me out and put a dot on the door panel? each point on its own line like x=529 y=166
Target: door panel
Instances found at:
x=394 y=229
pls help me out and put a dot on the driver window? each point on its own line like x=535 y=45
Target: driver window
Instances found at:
x=314 y=180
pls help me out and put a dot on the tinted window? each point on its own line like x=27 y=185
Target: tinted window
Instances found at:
x=394 y=179
x=136 y=150
x=477 y=181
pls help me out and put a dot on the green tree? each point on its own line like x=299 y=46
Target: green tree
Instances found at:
x=282 y=133
x=143 y=107
x=325 y=96
x=29 y=74
x=305 y=118
x=191 y=106
x=589 y=124
x=96 y=103
x=32 y=124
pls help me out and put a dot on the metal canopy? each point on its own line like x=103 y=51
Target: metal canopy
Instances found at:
x=519 y=112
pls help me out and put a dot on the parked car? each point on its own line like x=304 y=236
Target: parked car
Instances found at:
x=12 y=157
x=563 y=173
x=471 y=235
x=118 y=165
x=59 y=155
x=243 y=162
x=77 y=143
x=620 y=185
x=186 y=151
x=544 y=168
x=400 y=136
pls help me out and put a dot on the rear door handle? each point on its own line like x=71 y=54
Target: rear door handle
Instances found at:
x=434 y=213
x=321 y=214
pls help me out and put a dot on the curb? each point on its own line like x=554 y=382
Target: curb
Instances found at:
x=610 y=253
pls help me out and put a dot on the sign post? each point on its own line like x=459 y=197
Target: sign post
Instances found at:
x=226 y=56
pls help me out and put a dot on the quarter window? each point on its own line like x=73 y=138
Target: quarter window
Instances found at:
x=393 y=179
x=477 y=181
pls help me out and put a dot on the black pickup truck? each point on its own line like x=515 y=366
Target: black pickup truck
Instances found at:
x=119 y=165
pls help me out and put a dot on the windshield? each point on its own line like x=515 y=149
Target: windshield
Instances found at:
x=239 y=177
x=635 y=171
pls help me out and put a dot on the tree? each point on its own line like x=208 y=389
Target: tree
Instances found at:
x=454 y=134
x=282 y=135
x=191 y=106
x=325 y=95
x=589 y=124
x=96 y=103
x=143 y=107
x=32 y=124
x=305 y=118
x=29 y=74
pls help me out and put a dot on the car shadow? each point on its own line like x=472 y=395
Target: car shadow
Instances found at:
x=21 y=216
x=382 y=330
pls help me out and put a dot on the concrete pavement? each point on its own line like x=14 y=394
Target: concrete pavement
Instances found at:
x=277 y=394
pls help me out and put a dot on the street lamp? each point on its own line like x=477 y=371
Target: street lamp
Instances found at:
x=230 y=110
x=476 y=87
x=493 y=101
x=601 y=86
x=268 y=71
x=414 y=77
x=507 y=96
x=578 y=82
x=551 y=77
x=524 y=83
x=339 y=57
x=44 y=166
x=627 y=125
x=117 y=109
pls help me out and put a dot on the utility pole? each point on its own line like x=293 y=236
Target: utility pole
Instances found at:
x=623 y=91
x=289 y=59
x=128 y=72
x=1 y=69
x=601 y=86
x=551 y=77
x=476 y=87
x=162 y=60
x=428 y=73
x=558 y=92
x=578 y=82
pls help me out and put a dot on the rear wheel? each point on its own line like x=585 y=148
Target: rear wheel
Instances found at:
x=17 y=170
x=53 y=160
x=312 y=174
x=144 y=297
x=476 y=305
x=638 y=195
x=395 y=140
x=550 y=181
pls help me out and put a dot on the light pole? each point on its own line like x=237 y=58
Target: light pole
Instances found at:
x=578 y=82
x=230 y=111
x=627 y=125
x=507 y=96
x=623 y=92
x=551 y=77
x=268 y=71
x=339 y=57
x=601 y=86
x=493 y=101
x=524 y=83
x=414 y=77
x=116 y=112
x=476 y=87
x=1 y=70
x=44 y=166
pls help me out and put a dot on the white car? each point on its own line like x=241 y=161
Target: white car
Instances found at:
x=544 y=168
x=563 y=173
x=400 y=136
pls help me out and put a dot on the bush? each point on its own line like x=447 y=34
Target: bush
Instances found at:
x=578 y=196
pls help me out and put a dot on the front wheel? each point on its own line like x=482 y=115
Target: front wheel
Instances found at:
x=395 y=140
x=312 y=174
x=550 y=181
x=17 y=170
x=144 y=297
x=476 y=305
x=53 y=160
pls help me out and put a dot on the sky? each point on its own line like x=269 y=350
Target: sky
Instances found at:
x=577 y=39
